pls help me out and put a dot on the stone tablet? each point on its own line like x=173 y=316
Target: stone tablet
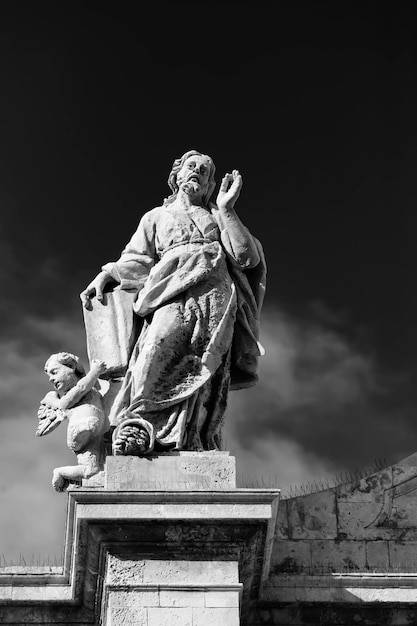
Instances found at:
x=111 y=329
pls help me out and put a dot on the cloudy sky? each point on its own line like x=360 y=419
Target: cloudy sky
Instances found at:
x=315 y=104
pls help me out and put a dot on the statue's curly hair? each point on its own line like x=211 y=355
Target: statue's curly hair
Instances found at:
x=177 y=165
x=70 y=360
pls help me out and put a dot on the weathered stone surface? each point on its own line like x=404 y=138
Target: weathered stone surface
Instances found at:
x=338 y=556
x=96 y=481
x=282 y=525
x=126 y=616
x=181 y=470
x=5 y=593
x=368 y=489
x=377 y=555
x=32 y=593
x=123 y=571
x=170 y=617
x=403 y=556
x=221 y=599
x=165 y=591
x=182 y=598
x=195 y=573
x=322 y=589
x=360 y=615
x=291 y=556
x=355 y=521
x=376 y=540
x=211 y=616
x=313 y=516
x=159 y=605
x=133 y=598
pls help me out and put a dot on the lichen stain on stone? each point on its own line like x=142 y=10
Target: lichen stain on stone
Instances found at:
x=350 y=565
x=411 y=618
x=300 y=511
x=313 y=523
x=288 y=565
x=122 y=569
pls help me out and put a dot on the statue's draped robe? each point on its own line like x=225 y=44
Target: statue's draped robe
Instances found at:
x=200 y=313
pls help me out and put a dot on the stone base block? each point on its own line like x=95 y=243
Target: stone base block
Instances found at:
x=160 y=616
x=171 y=471
x=155 y=592
x=166 y=540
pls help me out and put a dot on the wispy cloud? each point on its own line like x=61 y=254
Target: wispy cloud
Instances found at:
x=22 y=379
x=26 y=461
x=321 y=397
x=26 y=492
x=322 y=405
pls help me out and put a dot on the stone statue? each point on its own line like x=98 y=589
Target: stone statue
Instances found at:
x=76 y=398
x=197 y=277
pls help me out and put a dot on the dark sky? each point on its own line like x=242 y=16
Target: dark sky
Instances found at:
x=315 y=104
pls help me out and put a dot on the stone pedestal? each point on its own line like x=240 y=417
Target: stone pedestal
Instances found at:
x=171 y=540
x=173 y=590
x=180 y=470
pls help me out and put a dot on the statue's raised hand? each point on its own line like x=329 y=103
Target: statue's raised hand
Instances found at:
x=229 y=190
x=95 y=288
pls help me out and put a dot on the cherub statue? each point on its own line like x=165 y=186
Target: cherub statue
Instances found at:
x=76 y=398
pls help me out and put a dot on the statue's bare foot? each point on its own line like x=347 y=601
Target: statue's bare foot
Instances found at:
x=132 y=440
x=58 y=482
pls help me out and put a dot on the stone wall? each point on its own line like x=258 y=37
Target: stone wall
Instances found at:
x=346 y=555
x=369 y=525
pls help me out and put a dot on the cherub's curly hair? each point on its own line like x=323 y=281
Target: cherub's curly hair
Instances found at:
x=177 y=165
x=70 y=360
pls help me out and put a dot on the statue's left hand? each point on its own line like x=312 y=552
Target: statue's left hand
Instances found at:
x=95 y=288
x=229 y=190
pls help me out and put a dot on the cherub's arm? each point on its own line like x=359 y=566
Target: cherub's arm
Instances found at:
x=84 y=385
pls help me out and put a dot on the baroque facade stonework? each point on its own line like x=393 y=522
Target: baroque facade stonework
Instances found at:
x=198 y=550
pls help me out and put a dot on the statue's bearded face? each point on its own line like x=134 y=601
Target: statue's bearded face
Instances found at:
x=61 y=376
x=193 y=177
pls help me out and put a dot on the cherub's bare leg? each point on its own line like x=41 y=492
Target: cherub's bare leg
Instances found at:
x=89 y=463
x=62 y=475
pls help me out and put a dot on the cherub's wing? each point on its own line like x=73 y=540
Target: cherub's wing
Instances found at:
x=49 y=419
